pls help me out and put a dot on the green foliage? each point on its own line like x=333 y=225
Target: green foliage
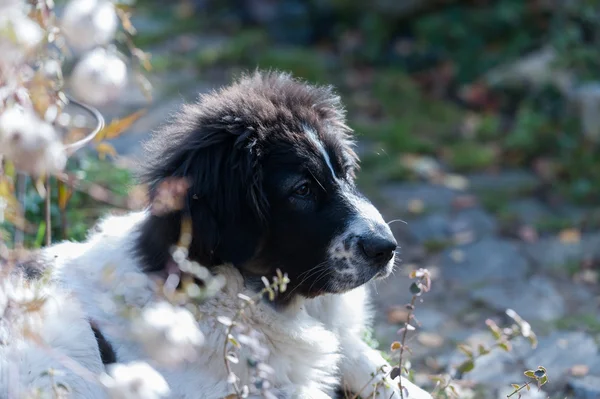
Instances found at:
x=82 y=211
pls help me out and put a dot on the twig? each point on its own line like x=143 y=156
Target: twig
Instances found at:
x=411 y=309
x=21 y=185
x=48 y=210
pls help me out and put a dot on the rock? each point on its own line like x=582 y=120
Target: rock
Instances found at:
x=529 y=210
x=462 y=227
x=559 y=352
x=434 y=197
x=587 y=101
x=533 y=299
x=587 y=387
x=533 y=393
x=534 y=69
x=510 y=181
x=552 y=253
x=471 y=224
x=430 y=340
x=432 y=227
x=488 y=261
x=429 y=319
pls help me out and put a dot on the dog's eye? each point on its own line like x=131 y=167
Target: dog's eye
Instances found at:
x=303 y=191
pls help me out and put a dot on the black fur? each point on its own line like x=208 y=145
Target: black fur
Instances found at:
x=244 y=150
x=107 y=353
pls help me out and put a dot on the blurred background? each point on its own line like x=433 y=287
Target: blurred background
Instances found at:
x=479 y=131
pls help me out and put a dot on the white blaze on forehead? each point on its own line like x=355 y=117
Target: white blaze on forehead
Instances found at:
x=314 y=138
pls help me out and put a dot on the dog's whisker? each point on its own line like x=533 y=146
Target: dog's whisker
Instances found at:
x=397 y=220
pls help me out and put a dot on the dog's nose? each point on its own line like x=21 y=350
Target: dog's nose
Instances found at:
x=377 y=248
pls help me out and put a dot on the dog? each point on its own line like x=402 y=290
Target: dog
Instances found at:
x=271 y=171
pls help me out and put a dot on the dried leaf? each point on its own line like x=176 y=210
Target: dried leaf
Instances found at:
x=117 y=126
x=104 y=149
x=466 y=350
x=570 y=236
x=395 y=373
x=396 y=345
x=64 y=195
x=516 y=386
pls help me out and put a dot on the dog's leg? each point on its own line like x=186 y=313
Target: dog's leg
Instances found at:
x=365 y=372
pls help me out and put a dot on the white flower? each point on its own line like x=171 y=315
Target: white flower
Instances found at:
x=30 y=143
x=136 y=380
x=17 y=30
x=99 y=77
x=169 y=334
x=89 y=23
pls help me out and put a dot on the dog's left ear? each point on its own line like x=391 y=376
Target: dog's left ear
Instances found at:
x=218 y=155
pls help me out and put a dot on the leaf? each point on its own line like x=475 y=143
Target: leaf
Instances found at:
x=496 y=332
x=543 y=380
x=226 y=321
x=516 y=386
x=466 y=366
x=64 y=195
x=117 y=126
x=395 y=373
x=41 y=233
x=233 y=341
x=539 y=373
x=483 y=350
x=466 y=350
x=232 y=358
x=415 y=289
x=530 y=374
x=506 y=346
x=104 y=148
x=396 y=345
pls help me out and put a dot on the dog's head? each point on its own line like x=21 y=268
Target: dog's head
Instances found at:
x=271 y=170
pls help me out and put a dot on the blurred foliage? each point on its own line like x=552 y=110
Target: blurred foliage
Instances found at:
x=412 y=75
x=82 y=211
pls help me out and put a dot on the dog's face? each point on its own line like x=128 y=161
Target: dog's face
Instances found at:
x=272 y=170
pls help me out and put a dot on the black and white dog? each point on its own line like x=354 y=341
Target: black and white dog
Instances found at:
x=271 y=170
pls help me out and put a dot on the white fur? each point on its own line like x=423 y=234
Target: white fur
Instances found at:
x=312 y=343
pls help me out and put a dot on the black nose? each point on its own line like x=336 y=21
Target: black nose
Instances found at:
x=378 y=249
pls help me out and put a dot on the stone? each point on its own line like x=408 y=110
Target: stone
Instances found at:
x=559 y=352
x=533 y=299
x=533 y=393
x=587 y=387
x=474 y=223
x=529 y=210
x=536 y=68
x=553 y=253
x=488 y=261
x=433 y=196
x=508 y=181
x=432 y=227
x=429 y=319
x=587 y=100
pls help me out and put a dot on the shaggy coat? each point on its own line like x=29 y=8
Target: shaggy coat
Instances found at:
x=271 y=170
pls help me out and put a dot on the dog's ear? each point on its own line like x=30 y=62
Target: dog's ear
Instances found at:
x=218 y=156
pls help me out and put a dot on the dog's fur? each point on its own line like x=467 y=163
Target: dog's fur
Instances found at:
x=271 y=170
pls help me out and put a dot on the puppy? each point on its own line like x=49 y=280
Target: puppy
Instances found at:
x=271 y=172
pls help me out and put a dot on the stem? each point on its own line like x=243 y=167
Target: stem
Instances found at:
x=524 y=386
x=404 y=334
x=48 y=203
x=19 y=232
